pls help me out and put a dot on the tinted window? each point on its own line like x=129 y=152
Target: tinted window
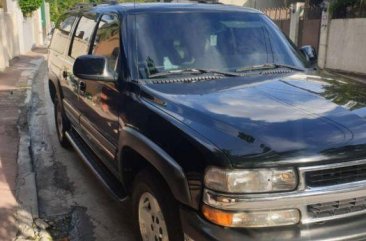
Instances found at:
x=82 y=36
x=107 y=40
x=226 y=41
x=61 y=34
x=66 y=25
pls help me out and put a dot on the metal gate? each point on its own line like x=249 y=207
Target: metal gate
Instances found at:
x=309 y=26
x=281 y=16
x=309 y=23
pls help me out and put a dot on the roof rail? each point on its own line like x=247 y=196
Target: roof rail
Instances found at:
x=197 y=1
x=111 y=2
x=81 y=6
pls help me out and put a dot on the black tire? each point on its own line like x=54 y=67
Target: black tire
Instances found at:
x=62 y=123
x=150 y=182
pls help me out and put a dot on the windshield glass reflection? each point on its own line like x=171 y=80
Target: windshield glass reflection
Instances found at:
x=223 y=41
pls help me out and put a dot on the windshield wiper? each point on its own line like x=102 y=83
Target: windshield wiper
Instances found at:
x=268 y=66
x=191 y=71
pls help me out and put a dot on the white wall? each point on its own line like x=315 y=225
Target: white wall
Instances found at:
x=28 y=34
x=4 y=59
x=347 y=45
x=18 y=35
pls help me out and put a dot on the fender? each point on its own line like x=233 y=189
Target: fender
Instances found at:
x=170 y=170
x=53 y=80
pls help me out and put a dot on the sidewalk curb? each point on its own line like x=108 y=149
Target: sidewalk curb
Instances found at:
x=26 y=188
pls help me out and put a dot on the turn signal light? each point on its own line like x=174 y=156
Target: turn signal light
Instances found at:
x=252 y=219
x=217 y=216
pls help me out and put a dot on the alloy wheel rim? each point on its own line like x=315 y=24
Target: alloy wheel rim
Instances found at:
x=151 y=219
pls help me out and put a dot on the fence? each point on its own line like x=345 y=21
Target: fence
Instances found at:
x=308 y=25
x=281 y=16
x=310 y=12
x=277 y=13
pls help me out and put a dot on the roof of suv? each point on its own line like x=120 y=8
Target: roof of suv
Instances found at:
x=170 y=7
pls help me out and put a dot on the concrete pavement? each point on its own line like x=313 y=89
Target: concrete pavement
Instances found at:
x=70 y=198
x=46 y=192
x=15 y=85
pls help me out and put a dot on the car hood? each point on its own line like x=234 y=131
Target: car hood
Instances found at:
x=288 y=118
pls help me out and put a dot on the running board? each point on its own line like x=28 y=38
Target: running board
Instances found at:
x=109 y=181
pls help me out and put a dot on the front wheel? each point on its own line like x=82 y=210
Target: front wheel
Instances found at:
x=156 y=212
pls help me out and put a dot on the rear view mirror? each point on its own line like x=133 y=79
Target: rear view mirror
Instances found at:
x=93 y=67
x=310 y=54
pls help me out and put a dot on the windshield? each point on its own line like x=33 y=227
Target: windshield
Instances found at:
x=220 y=41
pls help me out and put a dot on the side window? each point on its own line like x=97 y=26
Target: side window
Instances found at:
x=107 y=40
x=62 y=32
x=82 y=36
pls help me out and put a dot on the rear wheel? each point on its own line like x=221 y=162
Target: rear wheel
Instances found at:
x=156 y=212
x=62 y=124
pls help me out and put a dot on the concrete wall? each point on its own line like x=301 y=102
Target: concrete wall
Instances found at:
x=18 y=35
x=4 y=60
x=28 y=34
x=347 y=45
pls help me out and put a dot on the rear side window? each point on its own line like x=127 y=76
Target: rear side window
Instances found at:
x=82 y=36
x=107 y=40
x=61 y=34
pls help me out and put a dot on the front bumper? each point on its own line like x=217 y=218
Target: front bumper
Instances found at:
x=350 y=229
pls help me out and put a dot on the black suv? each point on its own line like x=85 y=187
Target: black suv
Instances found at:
x=213 y=123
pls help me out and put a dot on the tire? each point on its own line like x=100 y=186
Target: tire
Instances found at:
x=62 y=123
x=149 y=189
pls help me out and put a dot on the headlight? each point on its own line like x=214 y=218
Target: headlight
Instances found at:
x=258 y=180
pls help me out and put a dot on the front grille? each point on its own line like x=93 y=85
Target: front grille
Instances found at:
x=330 y=209
x=334 y=176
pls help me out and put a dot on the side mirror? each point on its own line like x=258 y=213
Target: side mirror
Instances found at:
x=92 y=67
x=310 y=54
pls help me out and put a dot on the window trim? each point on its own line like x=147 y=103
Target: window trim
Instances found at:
x=74 y=32
x=57 y=27
x=91 y=45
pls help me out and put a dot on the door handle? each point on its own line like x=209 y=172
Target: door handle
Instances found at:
x=64 y=74
x=82 y=86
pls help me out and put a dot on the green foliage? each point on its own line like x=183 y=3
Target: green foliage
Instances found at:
x=340 y=8
x=59 y=7
x=338 y=4
x=29 y=6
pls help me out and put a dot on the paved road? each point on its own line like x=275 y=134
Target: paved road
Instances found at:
x=69 y=195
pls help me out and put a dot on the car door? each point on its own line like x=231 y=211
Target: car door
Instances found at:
x=80 y=44
x=58 y=61
x=100 y=99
